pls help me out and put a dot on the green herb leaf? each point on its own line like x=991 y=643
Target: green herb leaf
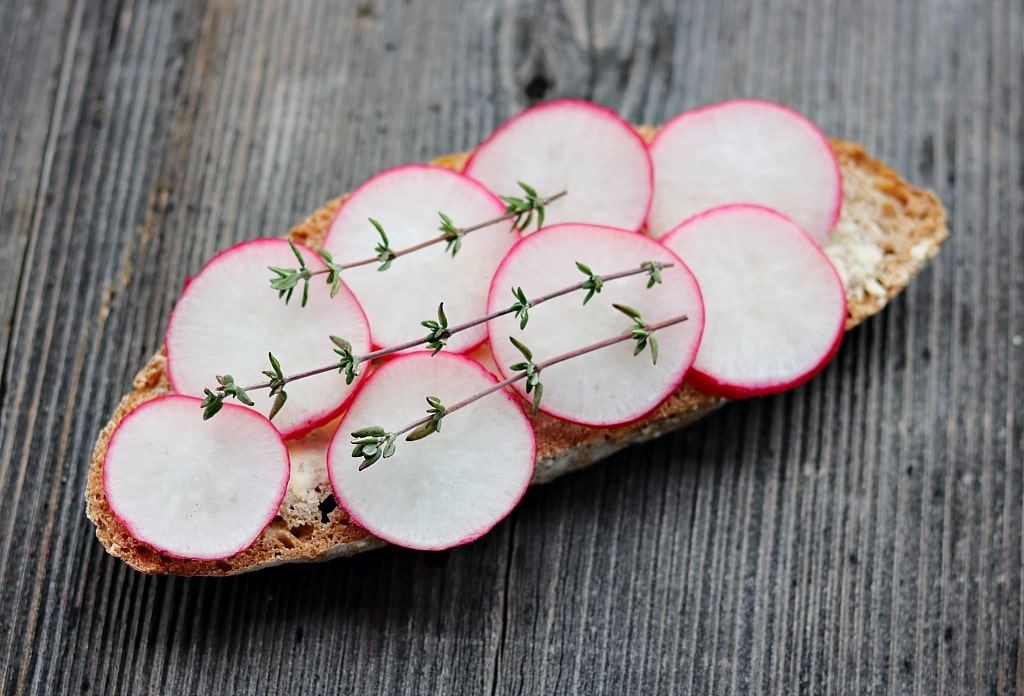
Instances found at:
x=298 y=256
x=593 y=284
x=385 y=255
x=628 y=311
x=371 y=444
x=439 y=334
x=640 y=332
x=436 y=411
x=278 y=403
x=521 y=307
x=348 y=362
x=452 y=235
x=421 y=432
x=523 y=208
x=212 y=404
x=653 y=273
x=527 y=353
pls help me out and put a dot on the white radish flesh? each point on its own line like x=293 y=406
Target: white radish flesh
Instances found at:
x=449 y=487
x=775 y=307
x=577 y=147
x=192 y=488
x=608 y=386
x=744 y=151
x=406 y=202
x=228 y=319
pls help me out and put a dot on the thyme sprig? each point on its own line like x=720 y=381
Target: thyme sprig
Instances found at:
x=378 y=439
x=286 y=280
x=439 y=331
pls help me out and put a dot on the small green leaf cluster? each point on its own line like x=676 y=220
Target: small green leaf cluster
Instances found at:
x=521 y=307
x=533 y=383
x=452 y=235
x=436 y=410
x=593 y=284
x=277 y=382
x=439 y=334
x=348 y=364
x=522 y=209
x=653 y=273
x=287 y=279
x=385 y=254
x=640 y=332
x=214 y=400
x=371 y=444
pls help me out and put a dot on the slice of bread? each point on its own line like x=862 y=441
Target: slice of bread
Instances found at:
x=886 y=231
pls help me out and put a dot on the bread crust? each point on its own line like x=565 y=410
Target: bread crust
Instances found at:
x=886 y=232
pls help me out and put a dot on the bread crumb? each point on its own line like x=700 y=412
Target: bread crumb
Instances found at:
x=874 y=288
x=920 y=250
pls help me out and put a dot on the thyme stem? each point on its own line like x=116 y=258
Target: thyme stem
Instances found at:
x=436 y=240
x=645 y=267
x=651 y=328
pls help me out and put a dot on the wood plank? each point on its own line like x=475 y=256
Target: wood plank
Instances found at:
x=862 y=534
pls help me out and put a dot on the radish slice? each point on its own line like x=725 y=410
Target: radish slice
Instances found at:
x=575 y=146
x=608 y=386
x=450 y=487
x=192 y=488
x=744 y=151
x=406 y=201
x=775 y=305
x=229 y=318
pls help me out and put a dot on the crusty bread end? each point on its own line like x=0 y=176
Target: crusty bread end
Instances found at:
x=886 y=232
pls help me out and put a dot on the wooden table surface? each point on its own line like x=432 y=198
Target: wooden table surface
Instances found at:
x=861 y=534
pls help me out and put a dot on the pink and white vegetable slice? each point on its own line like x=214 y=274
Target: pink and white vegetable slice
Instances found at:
x=228 y=318
x=608 y=386
x=450 y=487
x=406 y=201
x=576 y=146
x=193 y=488
x=744 y=151
x=775 y=307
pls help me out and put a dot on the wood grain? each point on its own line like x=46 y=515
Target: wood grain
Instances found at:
x=862 y=534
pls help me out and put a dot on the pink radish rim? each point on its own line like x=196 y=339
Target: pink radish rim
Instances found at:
x=710 y=385
x=340 y=497
x=582 y=105
x=763 y=104
x=668 y=392
x=500 y=207
x=314 y=422
x=227 y=407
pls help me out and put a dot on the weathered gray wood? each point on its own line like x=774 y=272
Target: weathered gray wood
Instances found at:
x=862 y=534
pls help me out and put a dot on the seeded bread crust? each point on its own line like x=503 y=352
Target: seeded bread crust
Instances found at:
x=886 y=232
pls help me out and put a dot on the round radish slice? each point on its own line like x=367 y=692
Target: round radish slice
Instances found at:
x=744 y=151
x=229 y=318
x=193 y=488
x=775 y=307
x=450 y=487
x=406 y=202
x=608 y=386
x=575 y=146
